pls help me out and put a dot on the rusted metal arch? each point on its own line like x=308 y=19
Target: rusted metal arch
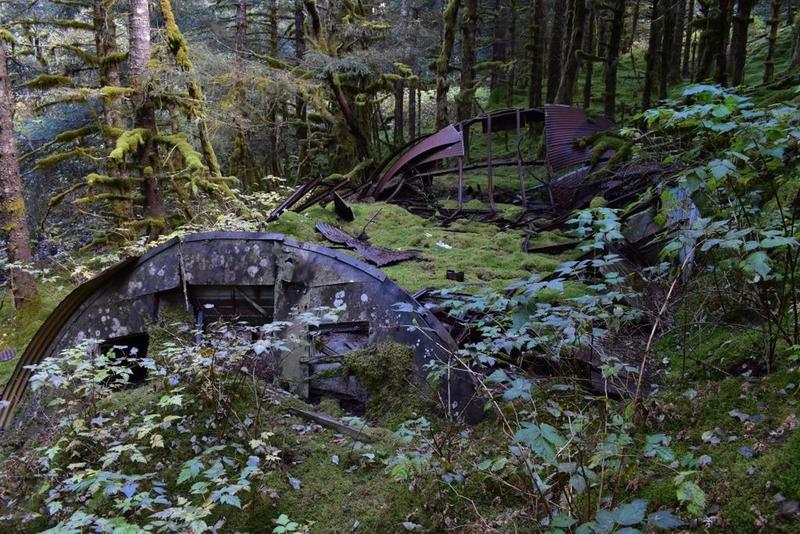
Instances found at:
x=123 y=299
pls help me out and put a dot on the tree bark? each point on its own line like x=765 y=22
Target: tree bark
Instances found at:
x=499 y=44
x=449 y=18
x=721 y=56
x=412 y=109
x=569 y=80
x=466 y=93
x=686 y=70
x=653 y=56
x=634 y=24
x=612 y=59
x=737 y=55
x=556 y=49
x=775 y=21
x=13 y=216
x=512 y=54
x=677 y=42
x=399 y=99
x=536 y=53
x=139 y=54
x=667 y=40
x=589 y=47
x=300 y=103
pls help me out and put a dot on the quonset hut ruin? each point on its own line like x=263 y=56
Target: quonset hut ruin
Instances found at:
x=256 y=278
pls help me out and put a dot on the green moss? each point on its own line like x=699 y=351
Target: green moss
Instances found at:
x=128 y=142
x=388 y=373
x=17 y=328
x=46 y=81
x=77 y=133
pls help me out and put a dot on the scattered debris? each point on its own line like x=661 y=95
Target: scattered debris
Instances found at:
x=380 y=257
x=344 y=211
x=8 y=355
x=456 y=276
x=334 y=424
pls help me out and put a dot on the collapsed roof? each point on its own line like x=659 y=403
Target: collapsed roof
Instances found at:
x=257 y=278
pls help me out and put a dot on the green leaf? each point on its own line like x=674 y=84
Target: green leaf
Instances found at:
x=631 y=513
x=757 y=263
x=665 y=520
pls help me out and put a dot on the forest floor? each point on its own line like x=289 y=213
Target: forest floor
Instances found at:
x=713 y=401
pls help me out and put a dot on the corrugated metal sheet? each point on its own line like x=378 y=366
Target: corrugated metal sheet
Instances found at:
x=565 y=124
x=48 y=333
x=445 y=137
x=61 y=317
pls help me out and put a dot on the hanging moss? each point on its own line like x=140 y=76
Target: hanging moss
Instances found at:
x=113 y=59
x=7 y=36
x=120 y=182
x=111 y=91
x=59 y=23
x=129 y=142
x=57 y=157
x=56 y=199
x=191 y=157
x=46 y=81
x=100 y=197
x=77 y=133
x=175 y=39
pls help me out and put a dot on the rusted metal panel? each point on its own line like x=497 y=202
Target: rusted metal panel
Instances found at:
x=292 y=199
x=445 y=137
x=47 y=335
x=375 y=255
x=565 y=124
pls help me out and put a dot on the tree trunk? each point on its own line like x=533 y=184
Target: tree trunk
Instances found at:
x=589 y=47
x=499 y=44
x=677 y=42
x=569 y=80
x=466 y=93
x=653 y=55
x=686 y=71
x=667 y=40
x=775 y=20
x=412 y=109
x=274 y=159
x=300 y=102
x=138 y=56
x=737 y=56
x=13 y=217
x=796 y=43
x=789 y=12
x=556 y=49
x=449 y=18
x=721 y=56
x=512 y=54
x=399 y=98
x=612 y=59
x=634 y=24
x=536 y=53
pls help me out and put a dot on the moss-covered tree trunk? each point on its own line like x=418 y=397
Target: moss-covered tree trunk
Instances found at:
x=139 y=54
x=301 y=132
x=412 y=108
x=499 y=45
x=772 y=43
x=512 y=53
x=569 y=80
x=612 y=58
x=466 y=93
x=555 y=52
x=399 y=114
x=12 y=204
x=180 y=51
x=449 y=18
x=274 y=156
x=242 y=162
x=105 y=39
x=653 y=55
x=737 y=55
x=536 y=51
